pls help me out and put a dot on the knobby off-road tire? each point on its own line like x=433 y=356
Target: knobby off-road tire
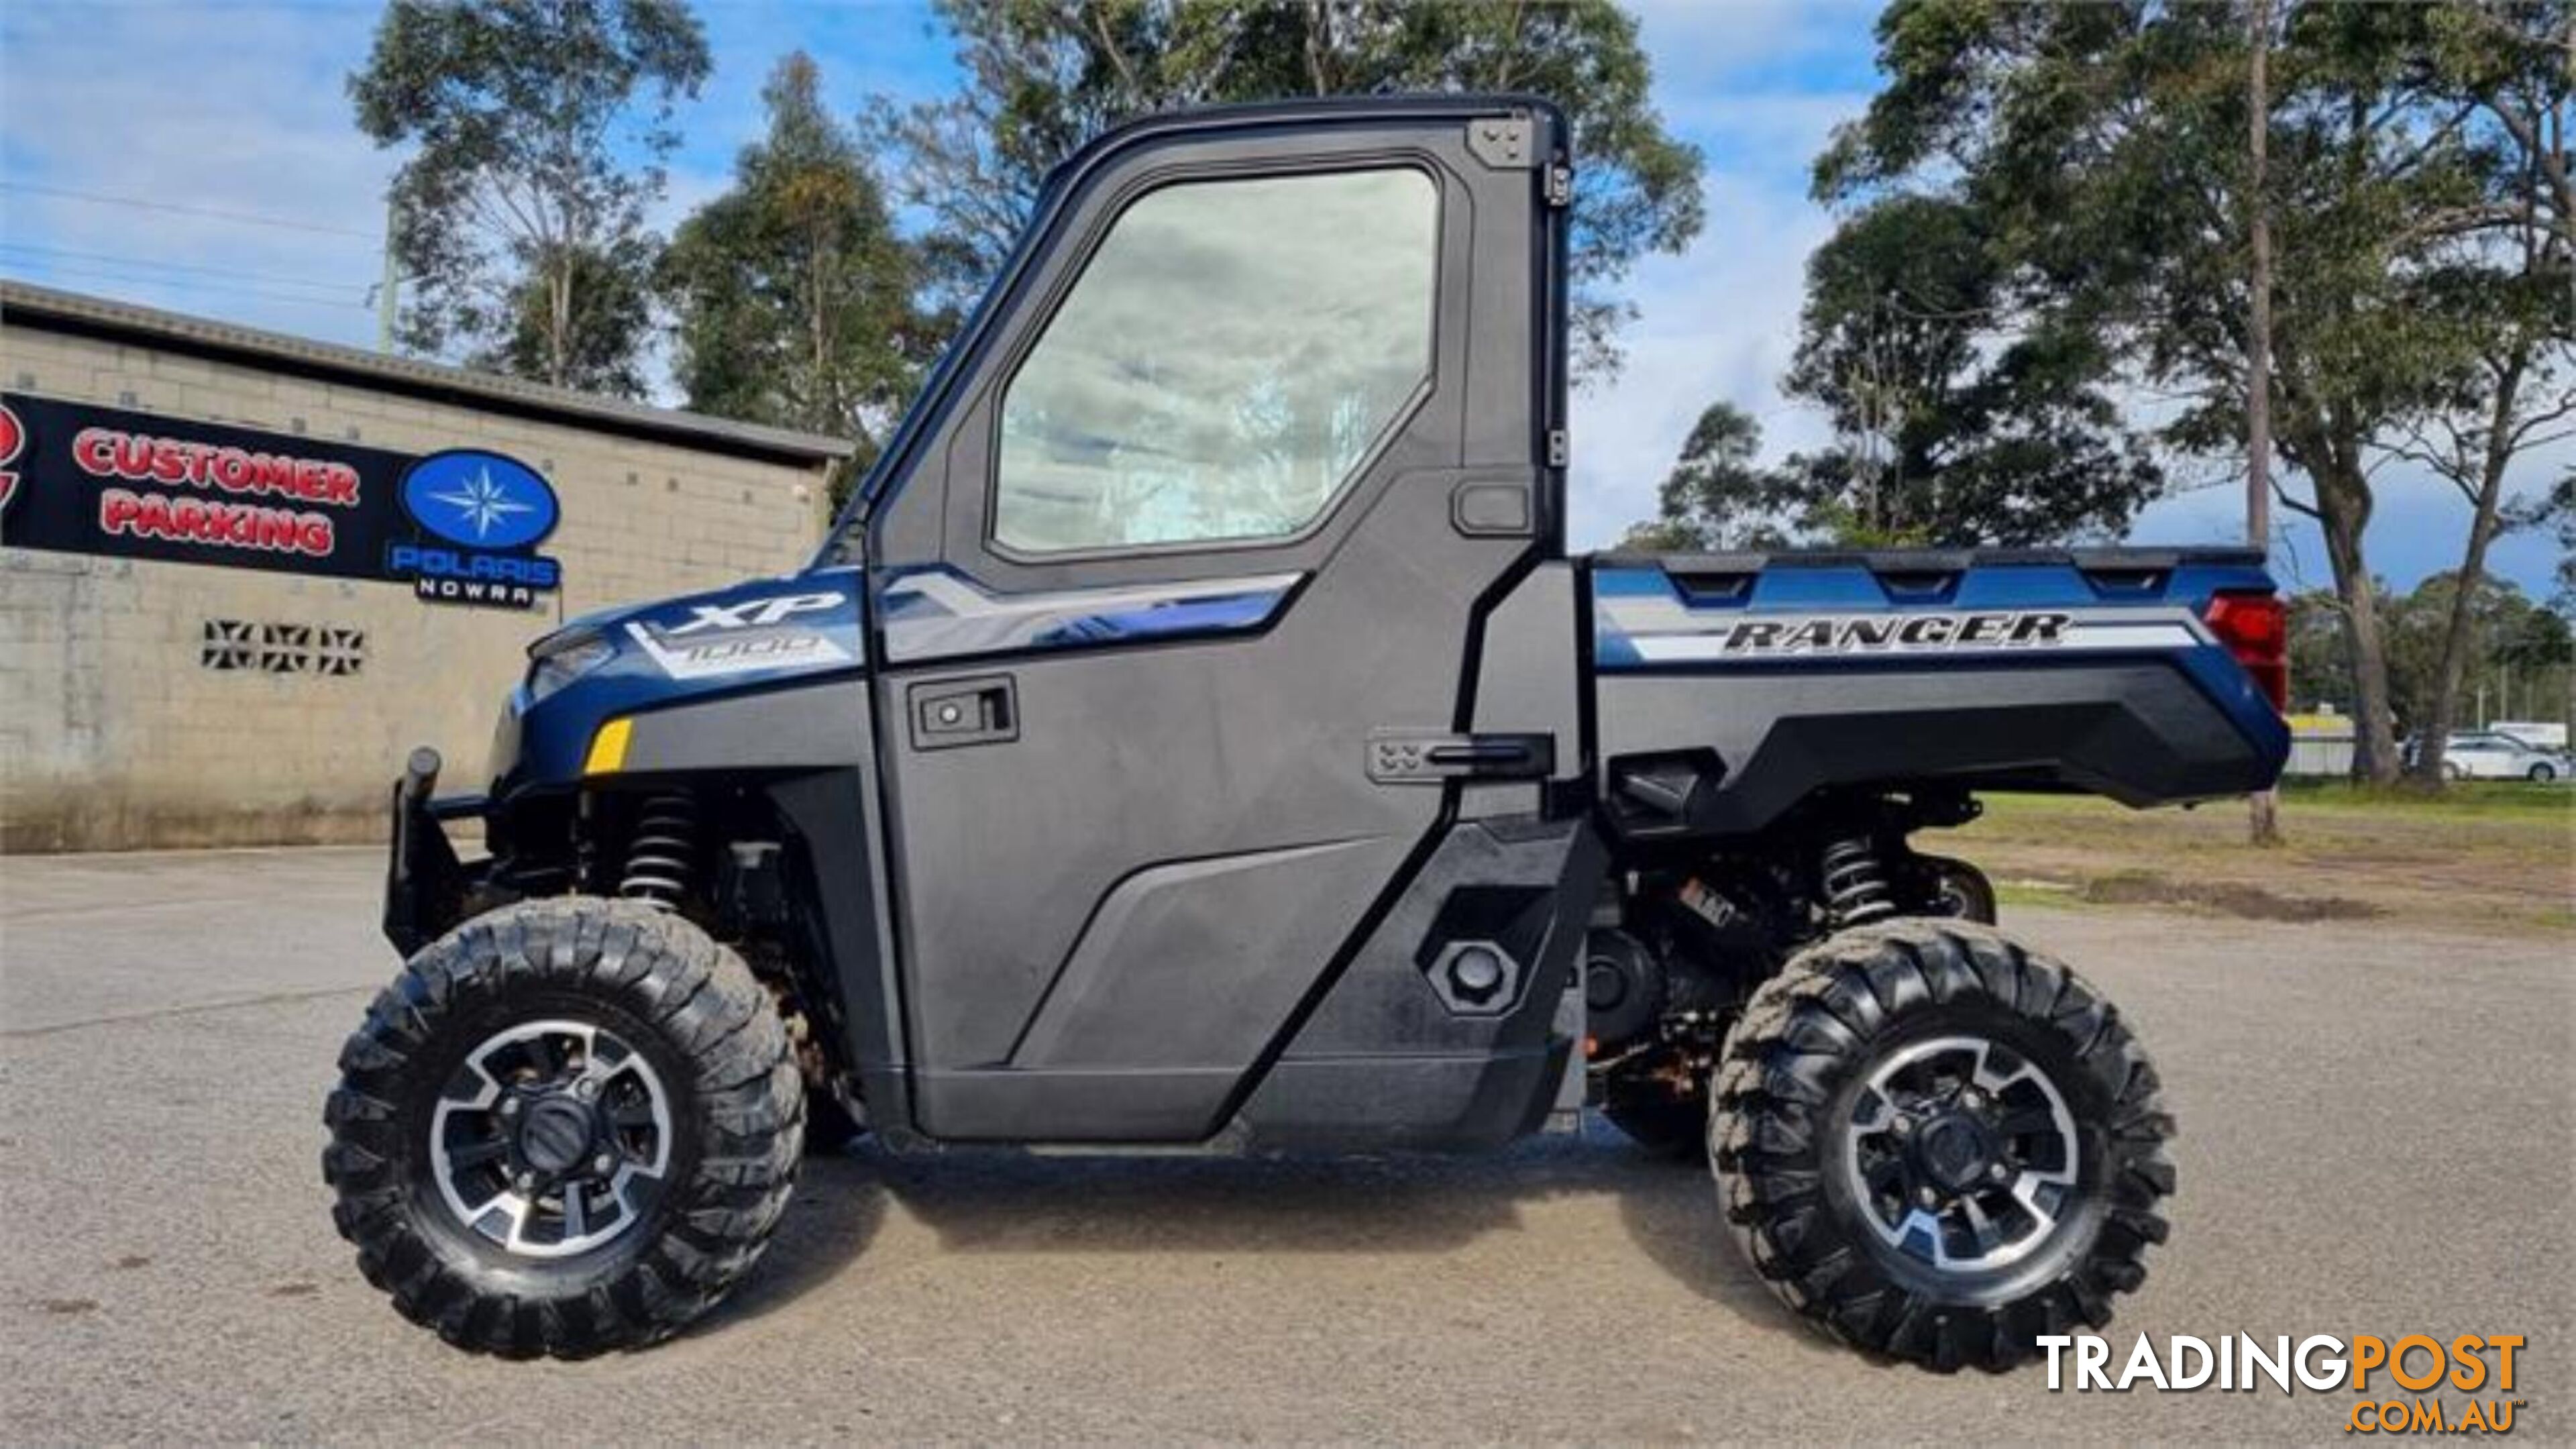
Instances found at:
x=546 y=1010
x=1855 y=1035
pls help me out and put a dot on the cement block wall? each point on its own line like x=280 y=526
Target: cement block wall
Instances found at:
x=114 y=735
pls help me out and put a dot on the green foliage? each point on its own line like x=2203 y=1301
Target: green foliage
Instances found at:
x=1956 y=429
x=600 y=349
x=1043 y=76
x=1964 y=422
x=793 y=296
x=1716 y=497
x=2556 y=511
x=2104 y=152
x=518 y=227
x=2514 y=644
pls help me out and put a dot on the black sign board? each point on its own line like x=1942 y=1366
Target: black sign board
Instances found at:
x=459 y=526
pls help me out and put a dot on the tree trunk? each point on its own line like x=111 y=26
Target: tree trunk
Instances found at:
x=559 y=325
x=2343 y=512
x=2263 y=820
x=2435 y=732
x=2484 y=524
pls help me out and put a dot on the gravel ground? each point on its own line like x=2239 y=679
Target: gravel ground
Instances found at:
x=2376 y=1140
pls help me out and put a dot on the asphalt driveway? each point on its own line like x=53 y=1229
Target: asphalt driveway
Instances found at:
x=2377 y=1139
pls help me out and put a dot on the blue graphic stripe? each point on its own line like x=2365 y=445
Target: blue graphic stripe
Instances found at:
x=939 y=613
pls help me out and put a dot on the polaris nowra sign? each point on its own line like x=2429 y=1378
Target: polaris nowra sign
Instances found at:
x=487 y=512
x=460 y=527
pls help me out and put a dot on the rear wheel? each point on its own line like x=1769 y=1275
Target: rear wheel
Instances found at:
x=569 y=1126
x=1938 y=1145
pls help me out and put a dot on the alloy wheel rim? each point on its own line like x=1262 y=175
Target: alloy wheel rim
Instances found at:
x=551 y=1138
x=1962 y=1154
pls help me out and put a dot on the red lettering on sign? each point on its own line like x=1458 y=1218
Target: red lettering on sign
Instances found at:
x=214 y=521
x=13 y=441
x=141 y=458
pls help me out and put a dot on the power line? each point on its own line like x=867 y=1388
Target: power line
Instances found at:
x=141 y=204
x=238 y=288
x=193 y=269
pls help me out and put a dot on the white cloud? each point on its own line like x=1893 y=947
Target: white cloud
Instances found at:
x=1721 y=320
x=220 y=109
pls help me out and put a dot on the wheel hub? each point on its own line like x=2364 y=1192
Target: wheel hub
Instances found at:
x=1955 y=1151
x=555 y=1133
x=1961 y=1153
x=551 y=1138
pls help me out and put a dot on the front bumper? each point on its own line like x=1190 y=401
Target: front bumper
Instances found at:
x=425 y=884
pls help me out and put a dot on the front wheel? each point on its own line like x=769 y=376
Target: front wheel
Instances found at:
x=1938 y=1145
x=2542 y=774
x=569 y=1126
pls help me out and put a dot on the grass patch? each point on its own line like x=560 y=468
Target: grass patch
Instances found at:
x=2488 y=856
x=2471 y=798
x=2225 y=897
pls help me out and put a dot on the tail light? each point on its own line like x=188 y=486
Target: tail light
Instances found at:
x=2256 y=630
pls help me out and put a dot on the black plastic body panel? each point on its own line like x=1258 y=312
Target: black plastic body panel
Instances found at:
x=1382 y=1062
x=2139 y=732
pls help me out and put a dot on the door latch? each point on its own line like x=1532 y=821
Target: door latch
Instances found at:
x=947 y=713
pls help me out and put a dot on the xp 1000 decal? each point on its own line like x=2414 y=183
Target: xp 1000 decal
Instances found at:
x=722 y=638
x=114 y=483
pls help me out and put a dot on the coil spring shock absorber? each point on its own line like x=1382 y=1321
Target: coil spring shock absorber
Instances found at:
x=661 y=853
x=1855 y=882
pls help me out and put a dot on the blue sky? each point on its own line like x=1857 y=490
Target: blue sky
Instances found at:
x=239 y=108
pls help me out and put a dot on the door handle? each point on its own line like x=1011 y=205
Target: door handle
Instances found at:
x=948 y=713
x=1429 y=757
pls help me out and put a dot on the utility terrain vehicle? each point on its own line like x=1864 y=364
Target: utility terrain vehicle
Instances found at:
x=1196 y=736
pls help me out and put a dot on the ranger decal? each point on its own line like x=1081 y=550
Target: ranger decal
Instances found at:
x=1863 y=633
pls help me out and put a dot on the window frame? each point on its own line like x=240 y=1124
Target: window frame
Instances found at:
x=1118 y=205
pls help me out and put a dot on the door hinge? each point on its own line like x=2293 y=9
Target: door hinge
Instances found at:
x=1559 y=452
x=1560 y=185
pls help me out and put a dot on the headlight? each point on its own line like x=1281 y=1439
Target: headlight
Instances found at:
x=559 y=659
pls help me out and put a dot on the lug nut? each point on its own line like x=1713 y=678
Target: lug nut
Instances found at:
x=1972 y=1099
x=1926 y=1196
x=524 y=1181
x=1902 y=1127
x=1999 y=1173
x=603 y=1164
x=586 y=1088
x=509 y=1106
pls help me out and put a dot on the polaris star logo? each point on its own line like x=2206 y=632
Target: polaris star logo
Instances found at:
x=1866 y=633
x=483 y=514
x=480 y=500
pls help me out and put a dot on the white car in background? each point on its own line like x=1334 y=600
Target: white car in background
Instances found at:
x=2487 y=755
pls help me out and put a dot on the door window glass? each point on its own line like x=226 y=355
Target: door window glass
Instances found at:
x=1228 y=358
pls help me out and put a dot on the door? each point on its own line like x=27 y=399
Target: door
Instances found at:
x=1218 y=485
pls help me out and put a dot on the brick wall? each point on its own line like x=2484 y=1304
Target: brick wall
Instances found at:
x=115 y=734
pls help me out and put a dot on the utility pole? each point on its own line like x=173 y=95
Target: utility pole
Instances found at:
x=2264 y=818
x=387 y=284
